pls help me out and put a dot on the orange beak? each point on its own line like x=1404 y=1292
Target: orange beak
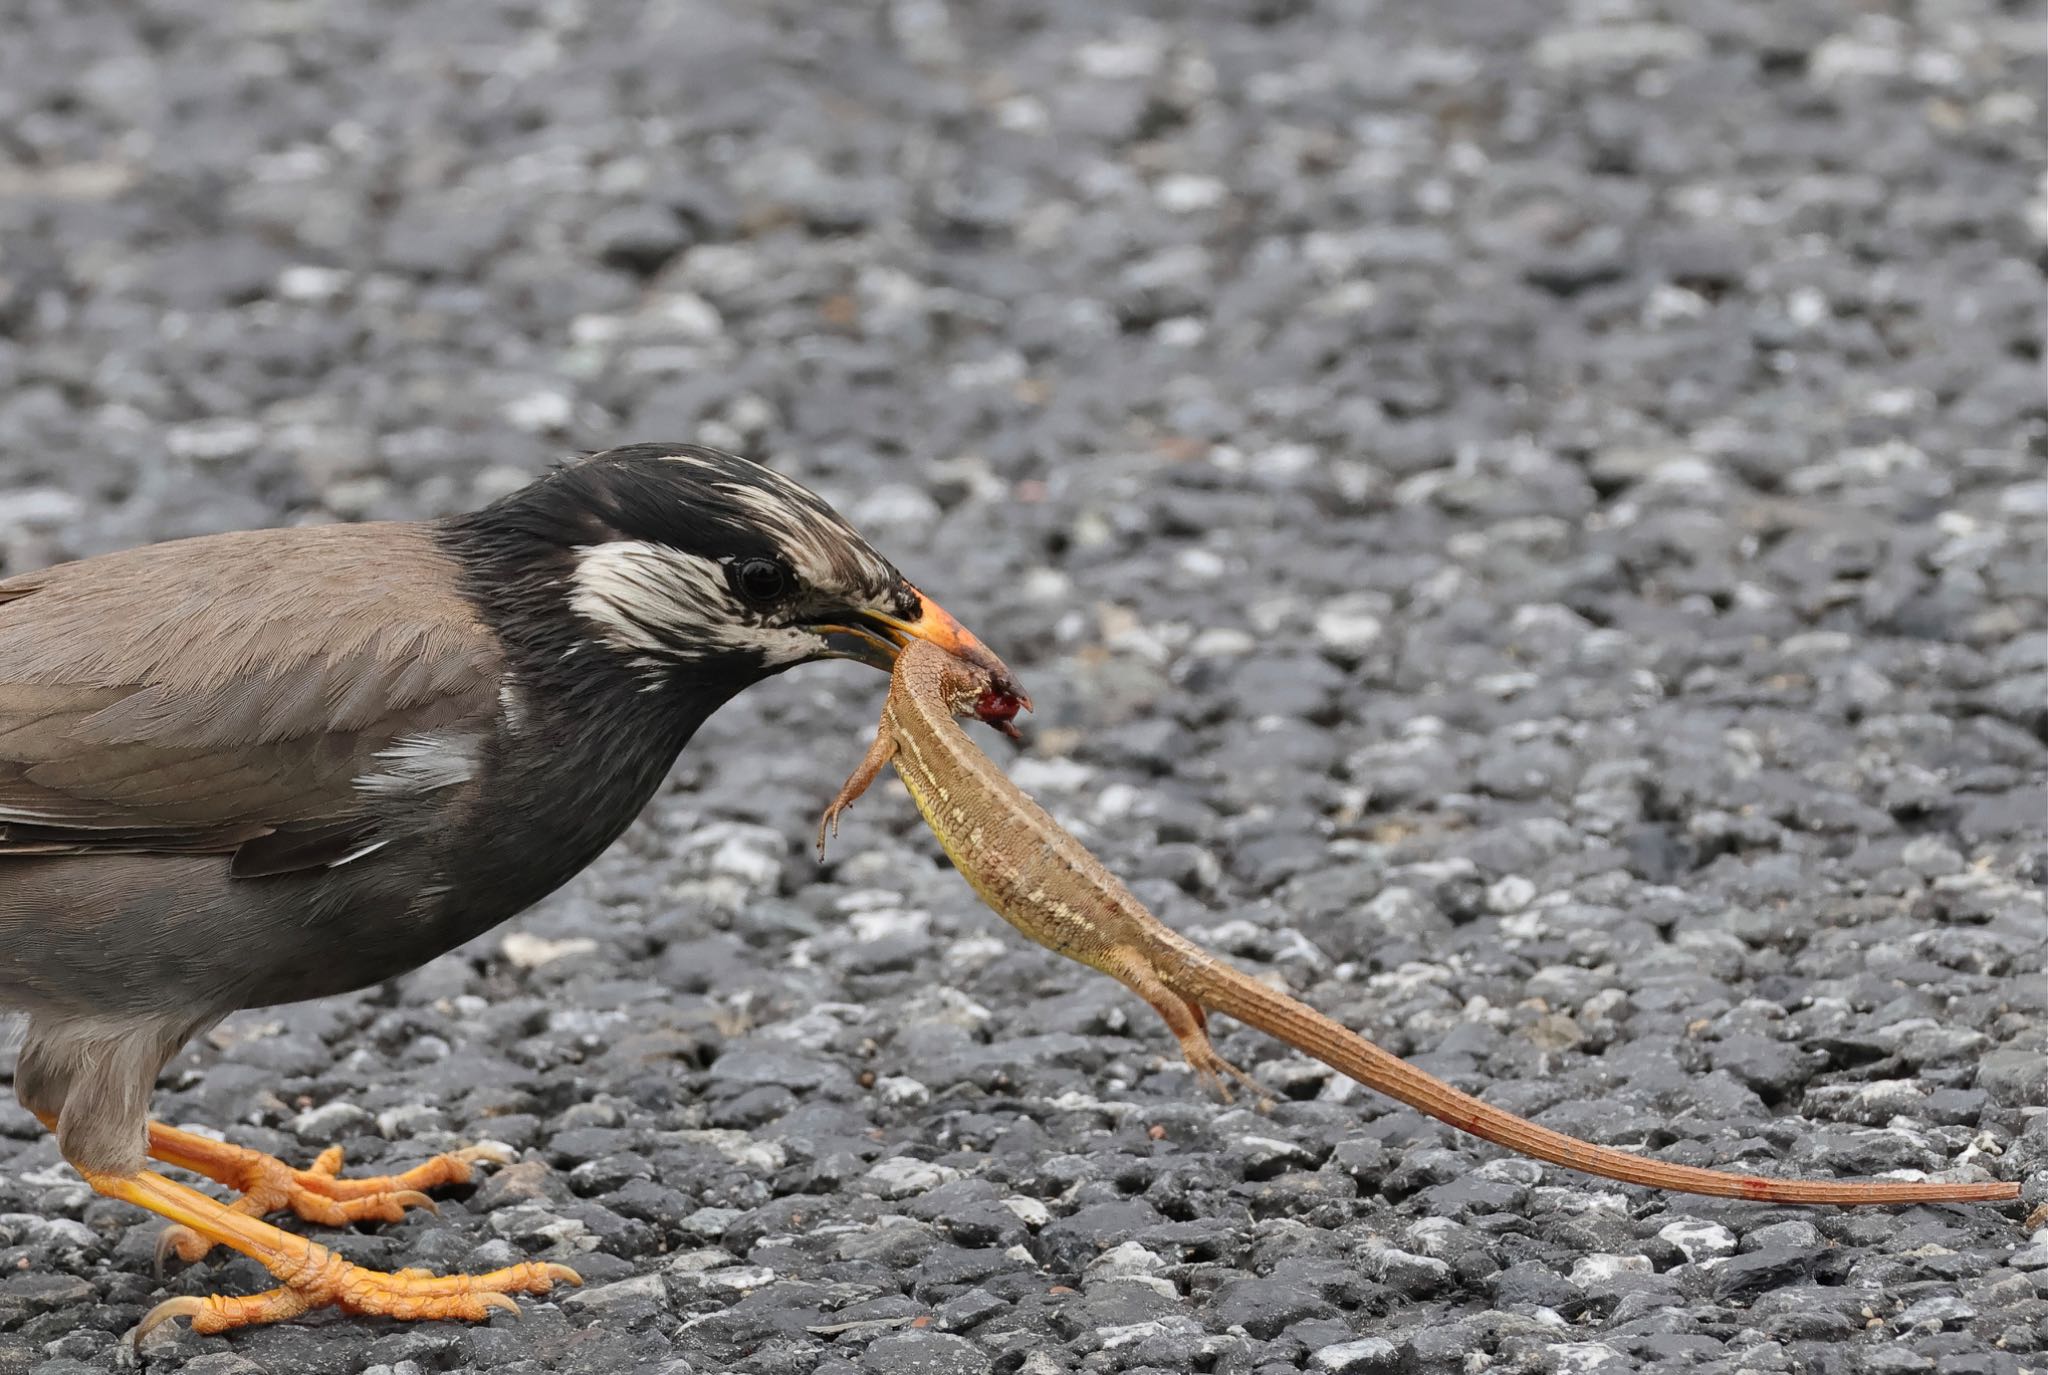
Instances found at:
x=875 y=637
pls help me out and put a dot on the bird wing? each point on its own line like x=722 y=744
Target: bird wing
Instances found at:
x=270 y=695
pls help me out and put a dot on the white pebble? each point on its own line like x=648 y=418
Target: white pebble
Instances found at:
x=1581 y=1358
x=39 y=506
x=2024 y=501
x=1285 y=460
x=686 y=315
x=305 y=282
x=1184 y=193
x=328 y=1121
x=1124 y=1260
x=884 y=923
x=1221 y=642
x=211 y=441
x=1128 y=59
x=1367 y=1353
x=1510 y=894
x=528 y=951
x=1028 y=1211
x=1699 y=1240
x=903 y=1176
x=735 y=1280
x=1050 y=775
x=1116 y=801
x=539 y=412
x=1351 y=624
x=895 y=504
x=901 y=1091
x=1597 y=1270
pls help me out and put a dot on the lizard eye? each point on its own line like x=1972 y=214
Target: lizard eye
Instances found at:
x=760 y=580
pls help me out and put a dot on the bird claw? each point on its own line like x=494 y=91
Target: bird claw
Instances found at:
x=186 y=1243
x=409 y=1198
x=184 y=1306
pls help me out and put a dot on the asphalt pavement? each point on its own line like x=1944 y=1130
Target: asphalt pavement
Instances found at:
x=1528 y=522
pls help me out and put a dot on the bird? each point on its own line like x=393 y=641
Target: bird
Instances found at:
x=260 y=767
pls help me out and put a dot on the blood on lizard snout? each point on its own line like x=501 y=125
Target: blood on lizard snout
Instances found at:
x=999 y=709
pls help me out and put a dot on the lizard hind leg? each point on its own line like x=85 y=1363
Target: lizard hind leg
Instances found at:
x=1189 y=1023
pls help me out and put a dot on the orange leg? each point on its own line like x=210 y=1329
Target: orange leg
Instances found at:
x=312 y=1275
x=316 y=1195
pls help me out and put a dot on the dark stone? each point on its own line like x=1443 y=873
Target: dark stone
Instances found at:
x=637 y=238
x=1763 y=1270
x=1264 y=1307
x=924 y=1353
x=1529 y=1284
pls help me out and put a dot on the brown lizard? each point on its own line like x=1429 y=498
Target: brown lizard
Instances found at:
x=1046 y=884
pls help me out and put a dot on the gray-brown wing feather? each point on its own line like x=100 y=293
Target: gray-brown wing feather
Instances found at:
x=229 y=694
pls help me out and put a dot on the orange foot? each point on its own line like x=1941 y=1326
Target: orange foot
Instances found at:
x=316 y=1195
x=312 y=1276
x=323 y=1279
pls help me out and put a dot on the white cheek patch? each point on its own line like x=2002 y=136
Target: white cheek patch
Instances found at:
x=654 y=600
x=422 y=764
x=645 y=597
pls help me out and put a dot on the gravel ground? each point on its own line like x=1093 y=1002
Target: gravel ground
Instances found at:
x=1527 y=521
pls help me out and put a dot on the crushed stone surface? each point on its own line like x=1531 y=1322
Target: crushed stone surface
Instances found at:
x=1528 y=522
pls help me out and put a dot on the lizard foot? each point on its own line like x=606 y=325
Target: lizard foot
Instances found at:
x=1214 y=1071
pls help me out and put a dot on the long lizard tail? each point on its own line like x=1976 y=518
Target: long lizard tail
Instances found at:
x=1276 y=1014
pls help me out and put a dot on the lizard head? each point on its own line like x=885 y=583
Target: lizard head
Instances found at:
x=981 y=687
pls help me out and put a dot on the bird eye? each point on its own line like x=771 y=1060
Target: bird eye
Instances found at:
x=760 y=580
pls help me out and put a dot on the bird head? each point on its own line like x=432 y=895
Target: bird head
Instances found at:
x=682 y=558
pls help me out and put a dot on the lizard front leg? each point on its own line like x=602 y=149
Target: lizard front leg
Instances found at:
x=872 y=763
